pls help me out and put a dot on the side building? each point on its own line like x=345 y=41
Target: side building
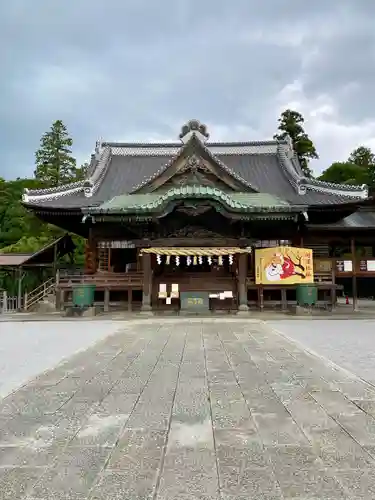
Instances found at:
x=163 y=219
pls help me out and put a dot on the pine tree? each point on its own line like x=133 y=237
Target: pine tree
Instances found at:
x=291 y=123
x=53 y=160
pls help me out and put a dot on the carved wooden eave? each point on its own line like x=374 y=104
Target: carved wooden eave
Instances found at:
x=195 y=164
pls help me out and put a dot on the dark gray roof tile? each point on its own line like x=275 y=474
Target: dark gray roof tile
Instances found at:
x=258 y=164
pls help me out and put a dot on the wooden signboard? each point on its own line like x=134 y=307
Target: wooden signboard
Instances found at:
x=283 y=265
x=195 y=302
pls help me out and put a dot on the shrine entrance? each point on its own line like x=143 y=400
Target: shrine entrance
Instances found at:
x=196 y=279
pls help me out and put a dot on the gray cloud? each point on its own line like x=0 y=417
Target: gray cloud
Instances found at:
x=135 y=69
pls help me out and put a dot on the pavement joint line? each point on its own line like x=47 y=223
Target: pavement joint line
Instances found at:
x=276 y=396
x=337 y=367
x=97 y=404
x=55 y=460
x=124 y=425
x=211 y=414
x=164 y=452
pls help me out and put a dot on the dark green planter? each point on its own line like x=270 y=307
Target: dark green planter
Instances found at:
x=83 y=295
x=307 y=295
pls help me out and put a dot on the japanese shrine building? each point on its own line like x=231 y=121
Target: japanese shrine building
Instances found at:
x=190 y=213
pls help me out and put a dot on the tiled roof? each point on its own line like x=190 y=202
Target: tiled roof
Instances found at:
x=357 y=220
x=234 y=201
x=265 y=166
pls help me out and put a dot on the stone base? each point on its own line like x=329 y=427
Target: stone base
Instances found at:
x=243 y=312
x=89 y=312
x=303 y=311
x=146 y=310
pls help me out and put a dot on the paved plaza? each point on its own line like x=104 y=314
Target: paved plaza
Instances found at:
x=193 y=409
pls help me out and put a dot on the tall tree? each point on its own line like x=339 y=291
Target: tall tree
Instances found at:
x=55 y=164
x=291 y=123
x=363 y=157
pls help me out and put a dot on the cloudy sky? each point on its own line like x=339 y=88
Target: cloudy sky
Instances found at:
x=136 y=70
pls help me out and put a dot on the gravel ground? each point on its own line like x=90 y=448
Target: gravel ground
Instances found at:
x=348 y=343
x=27 y=349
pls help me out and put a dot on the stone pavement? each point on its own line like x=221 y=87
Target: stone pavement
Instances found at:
x=187 y=410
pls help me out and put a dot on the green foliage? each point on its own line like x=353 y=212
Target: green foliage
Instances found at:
x=363 y=157
x=15 y=221
x=54 y=162
x=358 y=169
x=345 y=173
x=291 y=124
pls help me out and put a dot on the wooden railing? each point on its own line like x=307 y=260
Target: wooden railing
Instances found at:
x=39 y=293
x=102 y=280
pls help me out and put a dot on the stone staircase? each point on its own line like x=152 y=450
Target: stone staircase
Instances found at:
x=42 y=299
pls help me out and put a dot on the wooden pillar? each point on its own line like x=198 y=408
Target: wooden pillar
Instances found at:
x=19 y=295
x=333 y=289
x=130 y=300
x=261 y=298
x=90 y=254
x=62 y=299
x=284 y=301
x=242 y=286
x=106 y=300
x=5 y=302
x=147 y=282
x=354 y=275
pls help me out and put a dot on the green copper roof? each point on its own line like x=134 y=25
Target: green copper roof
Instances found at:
x=233 y=201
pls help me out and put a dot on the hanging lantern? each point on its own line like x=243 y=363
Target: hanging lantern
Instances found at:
x=158 y=259
x=168 y=260
x=209 y=260
x=195 y=260
x=188 y=260
x=177 y=260
x=220 y=261
x=200 y=260
x=230 y=259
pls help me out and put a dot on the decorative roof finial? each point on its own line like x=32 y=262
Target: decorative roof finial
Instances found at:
x=194 y=127
x=98 y=147
x=289 y=143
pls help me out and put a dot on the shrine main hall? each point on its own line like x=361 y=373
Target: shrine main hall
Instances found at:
x=170 y=222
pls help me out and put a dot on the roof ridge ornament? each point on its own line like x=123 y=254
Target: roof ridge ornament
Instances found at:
x=194 y=127
x=98 y=148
